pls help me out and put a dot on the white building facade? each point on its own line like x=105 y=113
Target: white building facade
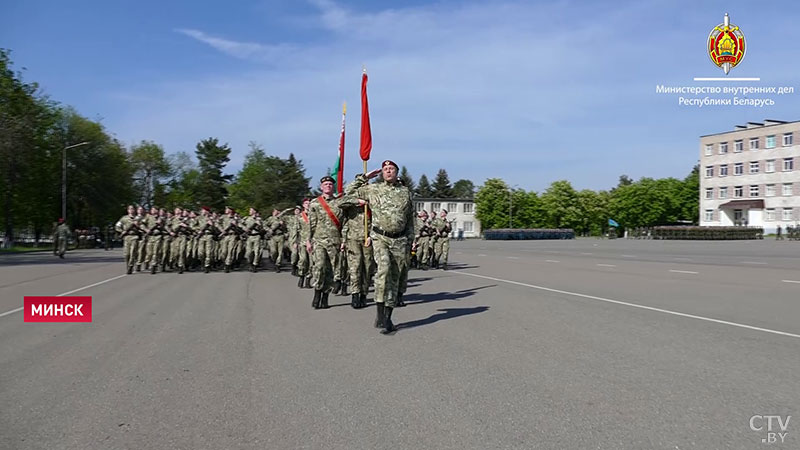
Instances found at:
x=751 y=176
x=460 y=211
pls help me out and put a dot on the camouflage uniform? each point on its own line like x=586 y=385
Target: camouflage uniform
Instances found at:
x=423 y=239
x=154 y=228
x=128 y=227
x=276 y=244
x=60 y=238
x=293 y=238
x=228 y=240
x=360 y=259
x=326 y=237
x=205 y=243
x=303 y=258
x=180 y=227
x=442 y=229
x=253 y=228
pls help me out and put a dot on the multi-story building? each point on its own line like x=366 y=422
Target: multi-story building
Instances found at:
x=461 y=211
x=751 y=176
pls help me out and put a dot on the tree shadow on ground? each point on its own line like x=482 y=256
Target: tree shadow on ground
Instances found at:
x=44 y=258
x=444 y=314
x=439 y=296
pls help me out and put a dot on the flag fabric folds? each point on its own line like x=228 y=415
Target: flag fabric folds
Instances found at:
x=366 y=131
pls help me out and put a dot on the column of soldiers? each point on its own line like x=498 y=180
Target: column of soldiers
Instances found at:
x=337 y=243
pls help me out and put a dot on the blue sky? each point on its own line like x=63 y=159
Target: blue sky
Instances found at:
x=531 y=92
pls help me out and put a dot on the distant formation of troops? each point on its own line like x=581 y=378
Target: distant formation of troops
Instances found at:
x=368 y=235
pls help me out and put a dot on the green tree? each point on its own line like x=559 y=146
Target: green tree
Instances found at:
x=212 y=159
x=690 y=196
x=492 y=204
x=406 y=179
x=151 y=168
x=560 y=205
x=463 y=189
x=423 y=189
x=441 y=185
x=266 y=182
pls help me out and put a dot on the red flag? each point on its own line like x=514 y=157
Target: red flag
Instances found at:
x=340 y=165
x=366 y=132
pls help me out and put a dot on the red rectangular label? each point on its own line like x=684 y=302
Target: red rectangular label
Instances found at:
x=58 y=309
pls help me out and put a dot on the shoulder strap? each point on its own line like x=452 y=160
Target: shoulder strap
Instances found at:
x=327 y=208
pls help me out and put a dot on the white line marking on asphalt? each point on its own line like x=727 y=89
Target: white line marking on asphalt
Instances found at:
x=512 y=257
x=633 y=305
x=790 y=281
x=628 y=256
x=753 y=262
x=683 y=271
x=682 y=259
x=607 y=265
x=587 y=253
x=67 y=293
x=551 y=260
x=481 y=254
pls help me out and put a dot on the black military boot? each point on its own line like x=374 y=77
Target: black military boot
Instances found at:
x=317 y=298
x=294 y=270
x=343 y=292
x=130 y=270
x=138 y=267
x=208 y=269
x=307 y=284
x=227 y=268
x=363 y=300
x=153 y=270
x=355 y=301
x=180 y=270
x=444 y=266
x=388 y=326
x=325 y=300
x=337 y=285
x=300 y=282
x=400 y=302
x=379 y=317
x=277 y=268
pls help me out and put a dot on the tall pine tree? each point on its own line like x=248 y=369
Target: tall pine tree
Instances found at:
x=212 y=159
x=406 y=179
x=423 y=189
x=441 y=185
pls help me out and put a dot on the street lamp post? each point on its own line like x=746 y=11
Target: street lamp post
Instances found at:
x=64 y=178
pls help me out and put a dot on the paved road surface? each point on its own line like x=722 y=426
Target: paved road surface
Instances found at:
x=557 y=344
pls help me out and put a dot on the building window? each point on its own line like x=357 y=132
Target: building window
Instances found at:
x=709 y=149
x=419 y=206
x=787 y=189
x=788 y=164
x=723 y=170
x=468 y=227
x=737 y=146
x=709 y=171
x=709 y=193
x=452 y=207
x=770 y=142
x=709 y=215
x=738 y=192
x=723 y=192
x=788 y=139
x=770 y=214
x=788 y=214
x=436 y=207
x=769 y=166
x=753 y=143
x=754 y=190
x=753 y=166
x=468 y=207
x=723 y=148
x=770 y=190
x=738 y=168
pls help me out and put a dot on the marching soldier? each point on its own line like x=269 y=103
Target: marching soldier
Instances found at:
x=392 y=234
x=154 y=229
x=205 y=242
x=60 y=238
x=278 y=229
x=179 y=230
x=229 y=231
x=422 y=239
x=293 y=237
x=253 y=229
x=442 y=230
x=304 y=257
x=129 y=230
x=325 y=224
x=166 y=239
x=141 y=245
x=359 y=255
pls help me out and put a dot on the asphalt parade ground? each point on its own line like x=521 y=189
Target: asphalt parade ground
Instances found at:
x=585 y=344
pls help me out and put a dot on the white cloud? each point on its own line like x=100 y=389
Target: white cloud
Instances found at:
x=242 y=50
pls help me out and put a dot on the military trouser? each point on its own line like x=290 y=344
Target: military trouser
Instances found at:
x=131 y=245
x=303 y=260
x=340 y=270
x=154 y=250
x=166 y=244
x=442 y=250
x=391 y=255
x=295 y=249
x=61 y=246
x=141 y=250
x=178 y=251
x=326 y=258
x=226 y=248
x=360 y=264
x=276 y=248
x=205 y=249
x=254 y=249
x=238 y=249
x=423 y=250
x=402 y=284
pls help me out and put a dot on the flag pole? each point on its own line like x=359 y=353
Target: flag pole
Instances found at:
x=366 y=230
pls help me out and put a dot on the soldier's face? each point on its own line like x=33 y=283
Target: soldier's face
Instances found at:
x=326 y=187
x=252 y=211
x=177 y=211
x=131 y=211
x=444 y=214
x=305 y=204
x=140 y=211
x=389 y=172
x=153 y=211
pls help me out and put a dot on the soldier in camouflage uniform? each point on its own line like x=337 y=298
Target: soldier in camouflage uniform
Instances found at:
x=166 y=240
x=141 y=244
x=181 y=232
x=253 y=228
x=60 y=238
x=293 y=237
x=325 y=218
x=276 y=244
x=392 y=234
x=128 y=228
x=304 y=257
x=360 y=260
x=442 y=230
x=154 y=230
x=422 y=239
x=227 y=243
x=206 y=229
